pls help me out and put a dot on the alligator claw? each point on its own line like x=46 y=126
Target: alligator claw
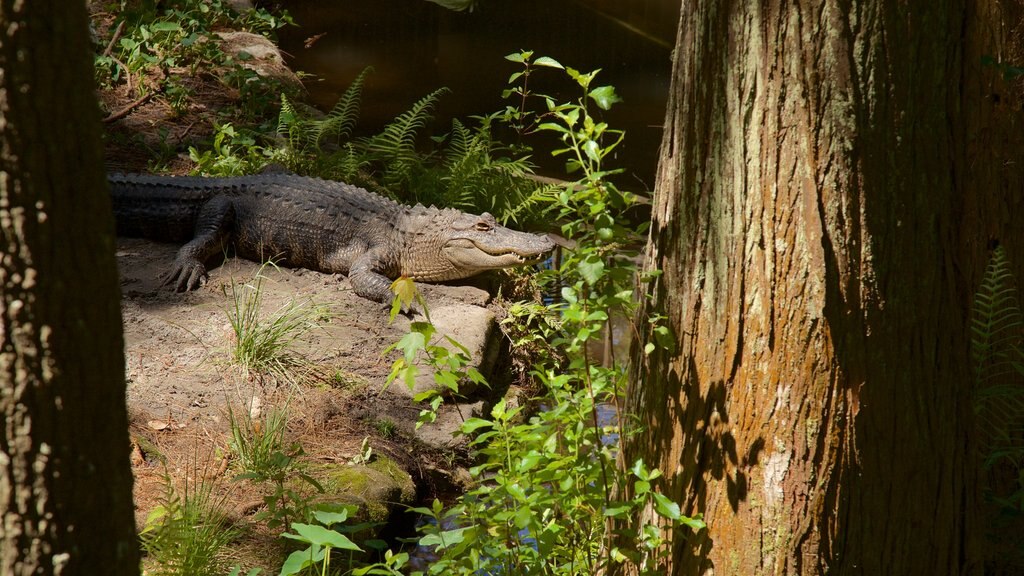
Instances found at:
x=186 y=276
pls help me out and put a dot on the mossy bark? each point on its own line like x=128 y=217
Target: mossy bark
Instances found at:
x=831 y=179
x=65 y=478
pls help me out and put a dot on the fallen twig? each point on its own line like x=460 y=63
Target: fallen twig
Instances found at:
x=127 y=109
x=113 y=39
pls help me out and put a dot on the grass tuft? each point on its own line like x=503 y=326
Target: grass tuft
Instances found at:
x=263 y=343
x=258 y=444
x=186 y=533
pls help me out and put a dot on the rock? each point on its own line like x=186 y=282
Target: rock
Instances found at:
x=379 y=489
x=260 y=55
x=440 y=434
x=241 y=6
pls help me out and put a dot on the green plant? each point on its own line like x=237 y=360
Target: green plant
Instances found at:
x=385 y=427
x=468 y=170
x=552 y=493
x=263 y=344
x=448 y=360
x=321 y=541
x=234 y=153
x=394 y=148
x=997 y=353
x=308 y=135
x=258 y=445
x=365 y=455
x=391 y=565
x=177 y=34
x=185 y=534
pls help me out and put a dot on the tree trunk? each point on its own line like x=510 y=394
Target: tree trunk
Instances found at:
x=828 y=188
x=65 y=479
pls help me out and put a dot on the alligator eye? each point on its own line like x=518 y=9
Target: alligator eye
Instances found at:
x=483 y=227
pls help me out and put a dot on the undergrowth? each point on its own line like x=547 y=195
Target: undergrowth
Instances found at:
x=997 y=352
x=549 y=489
x=152 y=46
x=466 y=168
x=185 y=534
x=548 y=492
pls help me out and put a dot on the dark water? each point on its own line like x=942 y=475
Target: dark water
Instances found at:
x=416 y=46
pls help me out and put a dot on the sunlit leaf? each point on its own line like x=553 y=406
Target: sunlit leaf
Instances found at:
x=696 y=523
x=321 y=536
x=604 y=96
x=444 y=539
x=549 y=62
x=665 y=507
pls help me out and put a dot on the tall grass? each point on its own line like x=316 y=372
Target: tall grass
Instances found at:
x=263 y=343
x=185 y=534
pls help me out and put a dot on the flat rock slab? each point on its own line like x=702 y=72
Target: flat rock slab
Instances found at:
x=178 y=345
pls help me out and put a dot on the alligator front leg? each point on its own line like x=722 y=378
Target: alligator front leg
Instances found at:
x=213 y=230
x=367 y=280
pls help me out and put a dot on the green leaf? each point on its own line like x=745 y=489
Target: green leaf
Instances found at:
x=474 y=424
x=617 y=511
x=519 y=57
x=327 y=518
x=410 y=344
x=665 y=507
x=554 y=127
x=301 y=559
x=321 y=536
x=444 y=539
x=591 y=270
x=696 y=523
x=641 y=487
x=549 y=62
x=165 y=27
x=604 y=96
x=404 y=290
x=592 y=150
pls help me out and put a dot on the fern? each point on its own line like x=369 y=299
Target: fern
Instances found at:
x=471 y=172
x=997 y=321
x=541 y=196
x=996 y=333
x=309 y=135
x=480 y=177
x=289 y=123
x=997 y=329
x=343 y=116
x=395 y=146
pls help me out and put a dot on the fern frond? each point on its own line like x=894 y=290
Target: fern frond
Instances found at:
x=459 y=142
x=343 y=116
x=289 y=123
x=997 y=352
x=395 y=146
x=398 y=138
x=539 y=196
x=997 y=321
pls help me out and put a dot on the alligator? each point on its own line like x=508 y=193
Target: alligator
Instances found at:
x=317 y=224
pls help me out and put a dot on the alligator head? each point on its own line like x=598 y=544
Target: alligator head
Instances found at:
x=459 y=245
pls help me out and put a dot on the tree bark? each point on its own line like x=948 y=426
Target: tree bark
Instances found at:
x=65 y=478
x=829 y=185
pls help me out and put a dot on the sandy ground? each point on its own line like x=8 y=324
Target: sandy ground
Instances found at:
x=182 y=380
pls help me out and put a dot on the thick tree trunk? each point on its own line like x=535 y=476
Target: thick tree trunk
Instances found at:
x=65 y=478
x=818 y=220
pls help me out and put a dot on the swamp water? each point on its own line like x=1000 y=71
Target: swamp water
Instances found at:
x=416 y=46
